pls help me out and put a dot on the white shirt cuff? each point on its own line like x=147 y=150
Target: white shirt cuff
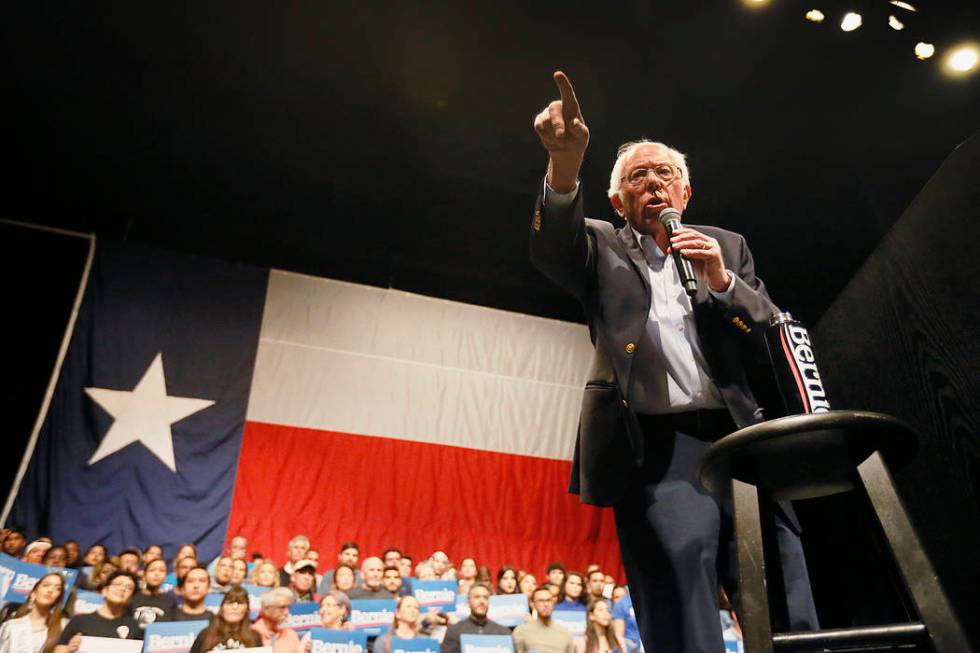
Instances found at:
x=725 y=296
x=558 y=201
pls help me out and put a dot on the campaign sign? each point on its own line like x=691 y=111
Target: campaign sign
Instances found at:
x=571 y=620
x=508 y=609
x=303 y=616
x=7 y=574
x=414 y=645
x=439 y=594
x=255 y=593
x=486 y=644
x=328 y=640
x=109 y=645
x=462 y=607
x=169 y=583
x=172 y=636
x=25 y=576
x=372 y=616
x=87 y=602
x=212 y=602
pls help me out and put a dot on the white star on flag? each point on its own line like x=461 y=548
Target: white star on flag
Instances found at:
x=144 y=415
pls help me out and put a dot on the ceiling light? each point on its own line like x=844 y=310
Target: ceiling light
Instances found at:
x=895 y=23
x=851 y=21
x=904 y=5
x=963 y=59
x=924 y=50
x=815 y=16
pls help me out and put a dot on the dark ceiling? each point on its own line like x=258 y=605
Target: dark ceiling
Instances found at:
x=391 y=144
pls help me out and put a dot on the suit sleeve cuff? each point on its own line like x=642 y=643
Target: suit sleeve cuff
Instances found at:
x=725 y=296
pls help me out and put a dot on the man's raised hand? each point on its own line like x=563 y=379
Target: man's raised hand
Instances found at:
x=563 y=133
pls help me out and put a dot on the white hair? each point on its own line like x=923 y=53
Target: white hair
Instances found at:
x=270 y=597
x=626 y=150
x=299 y=538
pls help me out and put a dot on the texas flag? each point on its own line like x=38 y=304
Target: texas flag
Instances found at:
x=200 y=399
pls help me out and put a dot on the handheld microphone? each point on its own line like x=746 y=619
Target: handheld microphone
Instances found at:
x=671 y=220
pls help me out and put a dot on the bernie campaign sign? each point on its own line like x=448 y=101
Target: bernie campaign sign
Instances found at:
x=414 y=645
x=372 y=616
x=486 y=644
x=508 y=609
x=213 y=602
x=303 y=616
x=17 y=578
x=571 y=620
x=462 y=607
x=87 y=602
x=255 y=593
x=328 y=640
x=172 y=636
x=439 y=594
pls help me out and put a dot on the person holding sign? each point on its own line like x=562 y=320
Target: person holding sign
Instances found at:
x=230 y=628
x=542 y=635
x=335 y=611
x=110 y=620
x=477 y=623
x=406 y=625
x=270 y=625
x=151 y=604
x=37 y=624
x=669 y=376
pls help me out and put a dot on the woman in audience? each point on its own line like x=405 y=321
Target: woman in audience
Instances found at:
x=265 y=574
x=599 y=637
x=152 y=552
x=37 y=624
x=95 y=554
x=483 y=576
x=527 y=583
x=184 y=565
x=101 y=572
x=507 y=580
x=184 y=551
x=405 y=626
x=239 y=571
x=344 y=578
x=467 y=576
x=110 y=620
x=572 y=595
x=151 y=604
x=56 y=556
x=335 y=611
x=230 y=628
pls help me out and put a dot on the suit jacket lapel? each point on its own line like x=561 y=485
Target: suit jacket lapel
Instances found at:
x=636 y=255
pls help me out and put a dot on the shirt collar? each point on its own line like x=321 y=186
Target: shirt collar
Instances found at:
x=648 y=244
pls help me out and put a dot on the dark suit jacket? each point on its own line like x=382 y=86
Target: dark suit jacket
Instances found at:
x=604 y=268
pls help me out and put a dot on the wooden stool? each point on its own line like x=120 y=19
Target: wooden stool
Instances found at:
x=806 y=456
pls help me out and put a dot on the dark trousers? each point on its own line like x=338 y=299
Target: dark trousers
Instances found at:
x=673 y=534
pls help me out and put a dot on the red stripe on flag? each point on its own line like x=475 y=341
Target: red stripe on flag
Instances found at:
x=497 y=508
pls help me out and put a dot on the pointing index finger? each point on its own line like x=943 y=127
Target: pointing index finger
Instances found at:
x=569 y=103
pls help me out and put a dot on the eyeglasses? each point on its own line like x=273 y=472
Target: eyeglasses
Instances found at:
x=126 y=587
x=665 y=172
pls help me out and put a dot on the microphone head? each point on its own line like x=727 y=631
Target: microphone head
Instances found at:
x=669 y=214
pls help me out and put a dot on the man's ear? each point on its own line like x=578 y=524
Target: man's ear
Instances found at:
x=617 y=203
x=688 y=192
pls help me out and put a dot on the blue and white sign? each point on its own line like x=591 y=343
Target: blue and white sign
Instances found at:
x=213 y=602
x=508 y=609
x=486 y=644
x=328 y=640
x=303 y=616
x=414 y=645
x=462 y=607
x=373 y=616
x=439 y=594
x=255 y=593
x=19 y=578
x=571 y=620
x=172 y=636
x=169 y=583
x=87 y=602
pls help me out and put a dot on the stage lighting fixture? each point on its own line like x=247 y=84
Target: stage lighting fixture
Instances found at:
x=963 y=59
x=895 y=23
x=851 y=21
x=924 y=50
x=815 y=16
x=904 y=5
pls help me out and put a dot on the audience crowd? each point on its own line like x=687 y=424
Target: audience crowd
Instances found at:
x=139 y=587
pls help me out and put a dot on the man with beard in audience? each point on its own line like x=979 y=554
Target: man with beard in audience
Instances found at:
x=372 y=571
x=542 y=634
x=475 y=624
x=596 y=584
x=349 y=553
x=391 y=581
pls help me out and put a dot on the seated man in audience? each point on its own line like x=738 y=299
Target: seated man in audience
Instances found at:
x=349 y=553
x=14 y=542
x=595 y=584
x=405 y=566
x=443 y=569
x=74 y=554
x=193 y=588
x=237 y=550
x=477 y=623
x=303 y=581
x=370 y=587
x=541 y=634
x=275 y=609
x=56 y=556
x=221 y=575
x=298 y=548
x=151 y=553
x=556 y=573
x=111 y=619
x=129 y=560
x=391 y=581
x=391 y=557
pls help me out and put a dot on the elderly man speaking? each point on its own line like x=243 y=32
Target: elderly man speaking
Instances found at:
x=668 y=376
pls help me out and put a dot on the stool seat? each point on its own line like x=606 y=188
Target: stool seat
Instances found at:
x=805 y=456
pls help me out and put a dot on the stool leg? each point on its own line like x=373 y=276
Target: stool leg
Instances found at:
x=756 y=626
x=917 y=572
